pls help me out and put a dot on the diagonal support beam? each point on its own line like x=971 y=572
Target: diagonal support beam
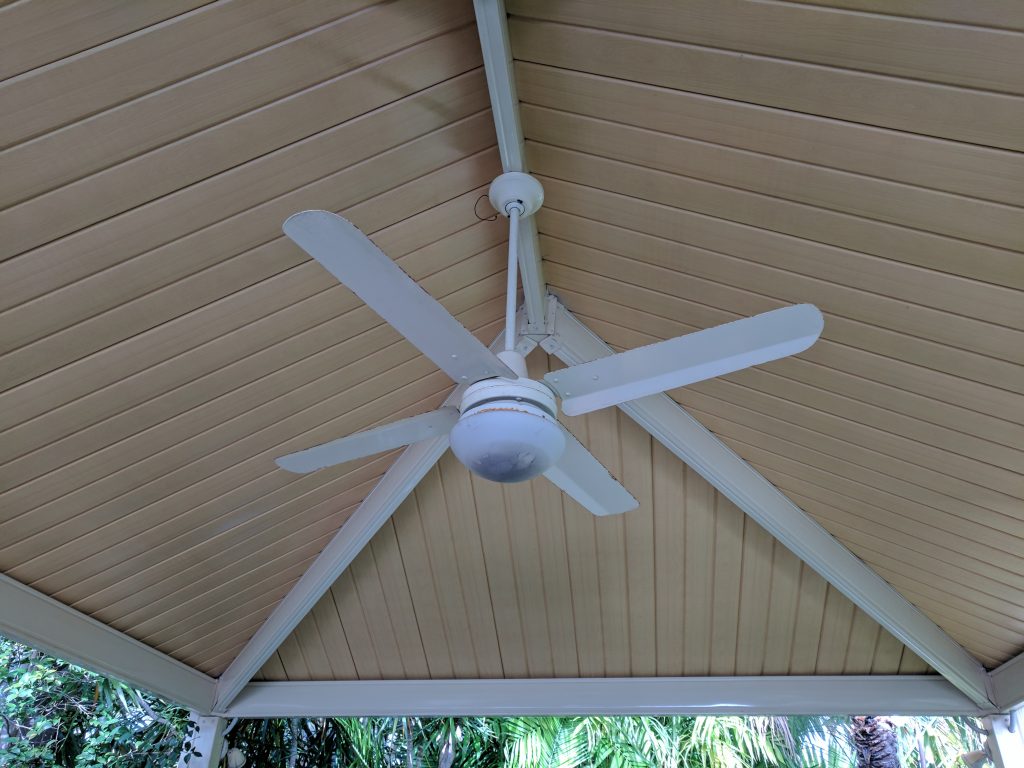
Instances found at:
x=492 y=24
x=30 y=617
x=1008 y=684
x=397 y=483
x=673 y=427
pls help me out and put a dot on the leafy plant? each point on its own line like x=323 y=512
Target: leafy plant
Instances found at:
x=53 y=713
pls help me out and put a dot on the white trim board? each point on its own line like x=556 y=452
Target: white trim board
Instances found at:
x=30 y=617
x=492 y=24
x=397 y=483
x=840 y=695
x=1008 y=684
x=673 y=427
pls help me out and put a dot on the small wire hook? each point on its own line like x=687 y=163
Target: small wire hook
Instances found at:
x=483 y=218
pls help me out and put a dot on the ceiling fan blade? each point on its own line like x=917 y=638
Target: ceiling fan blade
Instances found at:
x=686 y=359
x=586 y=480
x=368 y=272
x=376 y=440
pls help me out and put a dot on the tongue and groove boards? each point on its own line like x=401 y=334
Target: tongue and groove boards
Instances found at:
x=707 y=161
x=162 y=341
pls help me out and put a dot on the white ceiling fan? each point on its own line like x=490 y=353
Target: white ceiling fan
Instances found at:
x=506 y=427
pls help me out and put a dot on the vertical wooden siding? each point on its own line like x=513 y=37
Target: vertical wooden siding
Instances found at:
x=477 y=580
x=705 y=161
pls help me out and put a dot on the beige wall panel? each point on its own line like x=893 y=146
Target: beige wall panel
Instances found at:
x=948 y=386
x=783 y=603
x=377 y=136
x=412 y=554
x=276 y=342
x=162 y=342
x=398 y=602
x=37 y=32
x=732 y=601
x=173 y=566
x=469 y=560
x=637 y=474
x=378 y=619
x=131 y=184
x=985 y=563
x=529 y=577
x=953 y=215
x=909 y=105
x=887 y=241
x=841 y=370
x=500 y=575
x=185 y=131
x=885 y=276
x=916 y=49
x=96 y=79
x=987 y=507
x=436 y=533
x=1006 y=14
x=603 y=441
x=181 y=334
x=669 y=487
x=967 y=169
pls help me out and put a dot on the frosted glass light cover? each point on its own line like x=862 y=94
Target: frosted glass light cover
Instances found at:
x=507 y=442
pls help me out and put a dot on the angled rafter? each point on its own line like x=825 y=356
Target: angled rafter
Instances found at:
x=357 y=531
x=574 y=343
x=850 y=694
x=33 y=618
x=1008 y=684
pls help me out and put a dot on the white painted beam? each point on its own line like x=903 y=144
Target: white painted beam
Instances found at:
x=1008 y=684
x=1006 y=740
x=673 y=427
x=492 y=24
x=397 y=483
x=840 y=695
x=32 y=618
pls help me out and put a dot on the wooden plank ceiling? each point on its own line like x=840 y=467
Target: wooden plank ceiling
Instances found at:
x=162 y=342
x=706 y=160
x=472 y=579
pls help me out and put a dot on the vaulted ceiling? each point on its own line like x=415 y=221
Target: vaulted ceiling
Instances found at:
x=161 y=341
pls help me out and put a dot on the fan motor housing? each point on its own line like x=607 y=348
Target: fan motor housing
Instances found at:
x=508 y=431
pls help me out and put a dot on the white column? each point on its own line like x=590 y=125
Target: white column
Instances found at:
x=1006 y=742
x=207 y=739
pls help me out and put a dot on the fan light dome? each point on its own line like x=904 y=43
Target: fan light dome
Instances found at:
x=507 y=431
x=507 y=441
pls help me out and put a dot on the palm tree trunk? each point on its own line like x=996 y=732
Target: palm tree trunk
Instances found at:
x=874 y=740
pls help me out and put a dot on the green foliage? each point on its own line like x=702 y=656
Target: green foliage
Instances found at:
x=56 y=714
